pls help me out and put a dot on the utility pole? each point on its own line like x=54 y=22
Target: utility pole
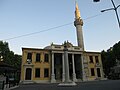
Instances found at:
x=114 y=8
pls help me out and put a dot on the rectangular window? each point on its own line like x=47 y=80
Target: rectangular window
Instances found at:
x=46 y=72
x=38 y=57
x=46 y=58
x=91 y=59
x=37 y=72
x=98 y=72
x=92 y=72
x=29 y=56
x=96 y=59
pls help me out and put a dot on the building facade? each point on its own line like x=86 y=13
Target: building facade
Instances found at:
x=48 y=64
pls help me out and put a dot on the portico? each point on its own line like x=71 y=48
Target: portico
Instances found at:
x=58 y=66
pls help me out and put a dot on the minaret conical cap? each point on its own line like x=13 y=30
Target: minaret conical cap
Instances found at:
x=77 y=11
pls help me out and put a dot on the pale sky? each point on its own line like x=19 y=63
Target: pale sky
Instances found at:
x=21 y=17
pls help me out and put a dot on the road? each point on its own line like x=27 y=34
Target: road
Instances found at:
x=94 y=85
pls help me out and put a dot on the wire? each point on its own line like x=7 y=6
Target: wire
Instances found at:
x=37 y=32
x=49 y=29
x=92 y=16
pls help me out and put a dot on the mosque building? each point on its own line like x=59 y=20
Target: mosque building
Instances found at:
x=48 y=64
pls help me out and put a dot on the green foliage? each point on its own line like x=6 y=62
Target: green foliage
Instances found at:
x=116 y=50
x=110 y=56
x=8 y=56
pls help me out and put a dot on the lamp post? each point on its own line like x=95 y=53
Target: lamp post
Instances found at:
x=114 y=8
x=1 y=57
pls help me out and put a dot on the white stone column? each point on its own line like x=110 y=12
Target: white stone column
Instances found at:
x=63 y=68
x=73 y=65
x=67 y=79
x=53 y=74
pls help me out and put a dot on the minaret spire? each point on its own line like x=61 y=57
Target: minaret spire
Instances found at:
x=78 y=24
x=77 y=11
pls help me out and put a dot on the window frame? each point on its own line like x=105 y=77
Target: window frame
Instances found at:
x=37 y=75
x=46 y=58
x=46 y=75
x=92 y=71
x=38 y=57
x=91 y=59
x=29 y=56
x=96 y=59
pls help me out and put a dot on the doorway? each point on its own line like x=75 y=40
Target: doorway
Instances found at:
x=58 y=66
x=98 y=72
x=78 y=66
x=70 y=66
x=28 y=74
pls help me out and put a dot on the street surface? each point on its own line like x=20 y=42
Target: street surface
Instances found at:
x=94 y=85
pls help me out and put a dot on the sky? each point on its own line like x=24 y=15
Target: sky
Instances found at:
x=38 y=23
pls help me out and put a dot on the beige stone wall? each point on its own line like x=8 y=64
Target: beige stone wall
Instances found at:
x=42 y=65
x=93 y=65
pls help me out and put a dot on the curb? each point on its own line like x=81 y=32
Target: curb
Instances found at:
x=11 y=88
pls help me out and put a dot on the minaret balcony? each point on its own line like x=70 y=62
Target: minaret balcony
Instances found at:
x=78 y=22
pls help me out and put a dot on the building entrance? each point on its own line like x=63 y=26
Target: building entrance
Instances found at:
x=28 y=74
x=58 y=66
x=98 y=72
x=70 y=66
x=78 y=66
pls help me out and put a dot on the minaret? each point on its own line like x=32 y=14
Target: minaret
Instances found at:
x=78 y=24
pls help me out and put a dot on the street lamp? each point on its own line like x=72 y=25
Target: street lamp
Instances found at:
x=114 y=8
x=96 y=0
x=1 y=57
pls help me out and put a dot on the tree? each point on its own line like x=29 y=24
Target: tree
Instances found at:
x=116 y=50
x=8 y=56
x=109 y=57
x=17 y=61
